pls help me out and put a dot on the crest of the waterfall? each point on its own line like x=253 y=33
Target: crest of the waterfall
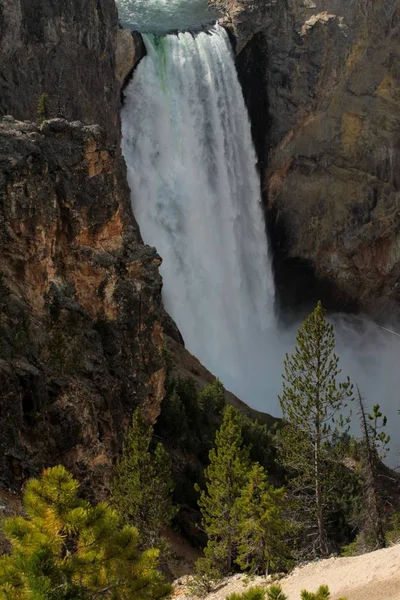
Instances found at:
x=196 y=195
x=163 y=16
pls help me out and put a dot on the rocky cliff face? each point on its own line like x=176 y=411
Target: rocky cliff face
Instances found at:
x=322 y=82
x=80 y=295
x=80 y=302
x=65 y=50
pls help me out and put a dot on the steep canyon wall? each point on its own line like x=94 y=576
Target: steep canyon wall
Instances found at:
x=322 y=83
x=80 y=295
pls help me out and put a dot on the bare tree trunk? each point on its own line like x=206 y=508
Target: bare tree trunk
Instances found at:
x=370 y=475
x=319 y=501
x=322 y=537
x=229 y=554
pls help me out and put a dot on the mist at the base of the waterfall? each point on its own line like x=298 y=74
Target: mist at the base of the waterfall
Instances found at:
x=368 y=353
x=164 y=16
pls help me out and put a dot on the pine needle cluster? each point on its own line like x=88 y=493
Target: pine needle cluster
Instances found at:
x=274 y=592
x=67 y=549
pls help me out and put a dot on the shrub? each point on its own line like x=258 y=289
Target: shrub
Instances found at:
x=67 y=549
x=253 y=593
x=274 y=592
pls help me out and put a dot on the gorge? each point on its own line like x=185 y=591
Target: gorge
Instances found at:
x=191 y=169
x=82 y=314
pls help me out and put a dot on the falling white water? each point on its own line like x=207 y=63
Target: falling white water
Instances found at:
x=195 y=193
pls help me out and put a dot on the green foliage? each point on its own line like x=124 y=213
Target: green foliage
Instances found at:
x=393 y=530
x=373 y=449
x=189 y=418
x=212 y=398
x=311 y=402
x=262 y=526
x=260 y=441
x=42 y=108
x=253 y=593
x=274 y=592
x=205 y=579
x=67 y=549
x=351 y=549
x=378 y=437
x=187 y=425
x=142 y=487
x=225 y=478
x=321 y=594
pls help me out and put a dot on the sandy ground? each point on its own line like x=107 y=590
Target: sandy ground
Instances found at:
x=374 y=576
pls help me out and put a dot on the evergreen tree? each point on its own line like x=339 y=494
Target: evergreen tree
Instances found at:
x=42 y=108
x=374 y=449
x=261 y=524
x=225 y=477
x=142 y=487
x=67 y=549
x=311 y=402
x=212 y=398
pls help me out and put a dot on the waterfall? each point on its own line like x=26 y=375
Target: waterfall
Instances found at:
x=195 y=193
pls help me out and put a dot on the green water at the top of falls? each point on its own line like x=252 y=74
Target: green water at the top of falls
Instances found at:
x=164 y=16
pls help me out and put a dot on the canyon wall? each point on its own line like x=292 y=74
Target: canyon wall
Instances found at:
x=80 y=294
x=80 y=302
x=65 y=50
x=322 y=83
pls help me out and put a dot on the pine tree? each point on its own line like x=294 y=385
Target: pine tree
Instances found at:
x=142 y=487
x=42 y=108
x=311 y=402
x=67 y=549
x=261 y=524
x=225 y=477
x=212 y=398
x=374 y=449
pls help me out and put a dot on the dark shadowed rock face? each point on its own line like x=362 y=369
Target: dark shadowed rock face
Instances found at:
x=65 y=49
x=80 y=303
x=329 y=72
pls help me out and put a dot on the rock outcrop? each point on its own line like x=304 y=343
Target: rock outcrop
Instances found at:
x=80 y=294
x=80 y=302
x=130 y=50
x=322 y=82
x=65 y=50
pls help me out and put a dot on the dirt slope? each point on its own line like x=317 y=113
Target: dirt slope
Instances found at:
x=374 y=576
